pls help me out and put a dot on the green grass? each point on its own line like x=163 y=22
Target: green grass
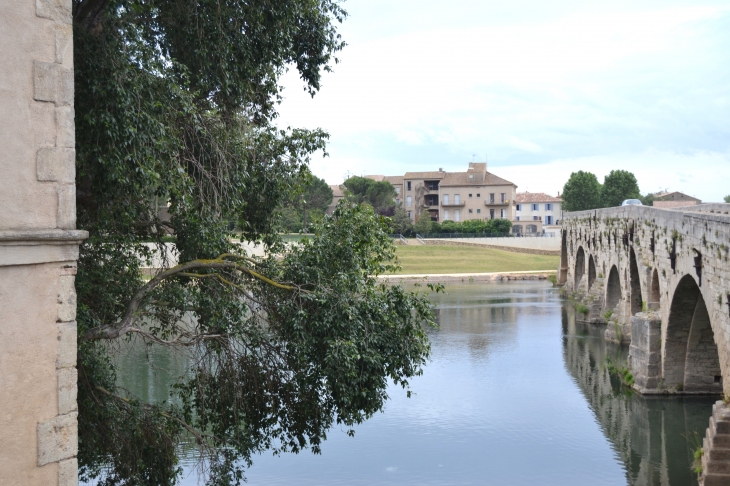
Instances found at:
x=438 y=259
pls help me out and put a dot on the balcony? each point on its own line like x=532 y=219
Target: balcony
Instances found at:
x=489 y=202
x=452 y=204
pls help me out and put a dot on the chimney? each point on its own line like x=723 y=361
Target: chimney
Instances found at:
x=441 y=169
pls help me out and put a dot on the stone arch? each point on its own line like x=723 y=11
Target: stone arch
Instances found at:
x=691 y=359
x=563 y=275
x=591 y=272
x=613 y=289
x=580 y=266
x=654 y=291
x=634 y=284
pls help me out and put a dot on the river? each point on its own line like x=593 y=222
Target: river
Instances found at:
x=516 y=393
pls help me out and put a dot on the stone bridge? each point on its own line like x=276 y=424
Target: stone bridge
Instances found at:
x=659 y=280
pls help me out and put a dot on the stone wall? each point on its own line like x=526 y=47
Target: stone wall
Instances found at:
x=648 y=254
x=38 y=245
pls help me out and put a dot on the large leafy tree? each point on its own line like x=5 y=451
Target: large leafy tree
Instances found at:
x=618 y=186
x=378 y=194
x=306 y=205
x=727 y=198
x=174 y=106
x=581 y=192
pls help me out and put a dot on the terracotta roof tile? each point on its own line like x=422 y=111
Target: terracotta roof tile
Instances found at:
x=424 y=175
x=462 y=179
x=535 y=197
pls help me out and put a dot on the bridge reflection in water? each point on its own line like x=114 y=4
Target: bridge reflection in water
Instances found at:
x=653 y=436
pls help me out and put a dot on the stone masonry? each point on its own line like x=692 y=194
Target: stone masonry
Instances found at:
x=661 y=286
x=38 y=245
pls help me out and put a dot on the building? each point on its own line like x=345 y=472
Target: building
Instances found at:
x=674 y=199
x=337 y=194
x=535 y=211
x=454 y=196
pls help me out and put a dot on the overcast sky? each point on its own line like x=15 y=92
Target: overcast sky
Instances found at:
x=539 y=88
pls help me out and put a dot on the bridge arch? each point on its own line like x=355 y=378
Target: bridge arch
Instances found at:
x=580 y=266
x=613 y=289
x=691 y=357
x=634 y=284
x=591 y=272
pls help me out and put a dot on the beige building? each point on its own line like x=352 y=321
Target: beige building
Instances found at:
x=674 y=199
x=454 y=196
x=38 y=245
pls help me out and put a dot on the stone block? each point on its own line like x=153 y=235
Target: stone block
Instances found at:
x=45 y=76
x=57 y=439
x=68 y=472
x=66 y=298
x=56 y=10
x=65 y=127
x=56 y=164
x=53 y=82
x=66 y=350
x=64 y=45
x=67 y=378
x=66 y=212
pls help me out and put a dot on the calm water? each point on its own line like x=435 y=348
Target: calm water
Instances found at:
x=516 y=394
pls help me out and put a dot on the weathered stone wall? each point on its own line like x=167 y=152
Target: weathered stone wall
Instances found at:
x=38 y=245
x=649 y=253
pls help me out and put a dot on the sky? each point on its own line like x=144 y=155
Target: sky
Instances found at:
x=537 y=89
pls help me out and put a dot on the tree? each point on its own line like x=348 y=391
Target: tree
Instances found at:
x=379 y=194
x=175 y=101
x=401 y=222
x=581 y=192
x=305 y=203
x=727 y=198
x=423 y=223
x=648 y=200
x=618 y=186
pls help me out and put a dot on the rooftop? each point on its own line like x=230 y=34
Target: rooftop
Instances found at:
x=535 y=197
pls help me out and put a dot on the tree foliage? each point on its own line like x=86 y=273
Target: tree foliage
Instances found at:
x=727 y=198
x=581 y=192
x=618 y=186
x=310 y=201
x=424 y=224
x=400 y=221
x=378 y=194
x=174 y=104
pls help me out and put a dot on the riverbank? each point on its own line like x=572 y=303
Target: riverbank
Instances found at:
x=470 y=277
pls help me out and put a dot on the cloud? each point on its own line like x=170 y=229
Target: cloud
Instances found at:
x=427 y=88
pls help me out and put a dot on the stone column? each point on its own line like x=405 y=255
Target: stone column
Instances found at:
x=38 y=245
x=645 y=351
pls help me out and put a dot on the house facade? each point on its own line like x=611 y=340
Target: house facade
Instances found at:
x=535 y=212
x=454 y=196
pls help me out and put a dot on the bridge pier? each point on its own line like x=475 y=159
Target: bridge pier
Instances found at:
x=645 y=352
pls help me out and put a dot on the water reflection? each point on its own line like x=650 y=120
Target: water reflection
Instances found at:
x=516 y=394
x=653 y=436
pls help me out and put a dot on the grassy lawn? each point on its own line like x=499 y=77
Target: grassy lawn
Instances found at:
x=437 y=259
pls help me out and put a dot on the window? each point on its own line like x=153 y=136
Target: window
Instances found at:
x=548 y=220
x=479 y=195
x=503 y=213
x=479 y=210
x=446 y=214
x=409 y=201
x=519 y=208
x=456 y=201
x=491 y=198
x=408 y=184
x=517 y=218
x=503 y=197
x=548 y=207
x=446 y=199
x=536 y=218
x=491 y=214
x=409 y=214
x=469 y=195
x=397 y=190
x=456 y=215
x=535 y=207
x=397 y=201
x=471 y=211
